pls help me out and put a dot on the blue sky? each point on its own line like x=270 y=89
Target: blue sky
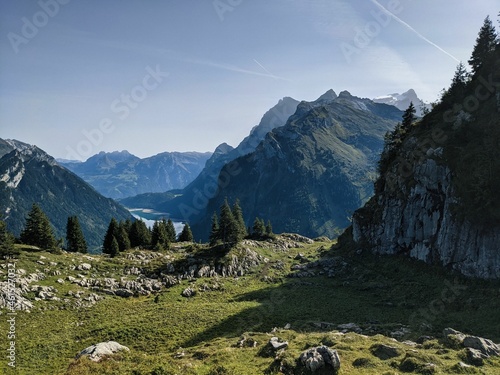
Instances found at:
x=78 y=77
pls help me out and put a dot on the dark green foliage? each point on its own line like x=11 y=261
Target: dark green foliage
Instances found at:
x=111 y=234
x=214 y=230
x=240 y=222
x=38 y=231
x=171 y=234
x=259 y=228
x=139 y=235
x=458 y=85
x=484 y=49
x=114 y=249
x=408 y=118
x=228 y=227
x=269 y=228
x=159 y=236
x=122 y=235
x=186 y=234
x=6 y=241
x=75 y=241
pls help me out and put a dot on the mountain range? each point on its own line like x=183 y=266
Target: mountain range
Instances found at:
x=121 y=174
x=309 y=175
x=307 y=172
x=402 y=101
x=29 y=175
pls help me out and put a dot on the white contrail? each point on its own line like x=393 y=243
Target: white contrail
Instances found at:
x=412 y=29
x=233 y=68
x=262 y=66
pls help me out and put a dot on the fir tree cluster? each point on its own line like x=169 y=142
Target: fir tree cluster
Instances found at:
x=124 y=235
x=485 y=58
x=228 y=228
x=38 y=231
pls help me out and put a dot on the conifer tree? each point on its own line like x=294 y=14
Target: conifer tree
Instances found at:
x=186 y=234
x=486 y=43
x=122 y=235
x=38 y=231
x=159 y=235
x=139 y=235
x=75 y=241
x=111 y=234
x=228 y=227
x=458 y=85
x=214 y=231
x=408 y=118
x=114 y=250
x=171 y=234
x=6 y=241
x=269 y=228
x=241 y=230
x=259 y=228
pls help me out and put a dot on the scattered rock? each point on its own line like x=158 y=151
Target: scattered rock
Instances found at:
x=384 y=352
x=478 y=348
x=121 y=292
x=316 y=358
x=246 y=342
x=475 y=357
x=349 y=327
x=485 y=346
x=276 y=344
x=188 y=292
x=84 y=267
x=98 y=351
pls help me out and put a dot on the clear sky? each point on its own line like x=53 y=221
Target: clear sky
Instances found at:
x=78 y=77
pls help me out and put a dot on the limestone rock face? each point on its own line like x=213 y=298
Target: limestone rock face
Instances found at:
x=413 y=216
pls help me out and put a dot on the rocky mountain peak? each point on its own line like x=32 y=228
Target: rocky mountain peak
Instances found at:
x=327 y=97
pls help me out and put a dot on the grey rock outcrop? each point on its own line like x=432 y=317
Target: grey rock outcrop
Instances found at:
x=477 y=348
x=414 y=216
x=322 y=356
x=384 y=352
x=96 y=352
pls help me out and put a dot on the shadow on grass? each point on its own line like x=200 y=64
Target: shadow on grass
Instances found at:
x=377 y=293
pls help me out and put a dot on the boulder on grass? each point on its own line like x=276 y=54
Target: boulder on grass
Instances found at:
x=97 y=351
x=322 y=356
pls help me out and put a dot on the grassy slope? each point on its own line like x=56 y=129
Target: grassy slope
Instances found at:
x=381 y=293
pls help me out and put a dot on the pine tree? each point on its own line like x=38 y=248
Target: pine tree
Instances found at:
x=111 y=234
x=228 y=227
x=122 y=235
x=458 y=85
x=269 y=228
x=258 y=229
x=214 y=231
x=171 y=234
x=186 y=234
x=114 y=250
x=159 y=236
x=6 y=241
x=38 y=231
x=75 y=241
x=408 y=118
x=139 y=235
x=240 y=222
x=486 y=43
